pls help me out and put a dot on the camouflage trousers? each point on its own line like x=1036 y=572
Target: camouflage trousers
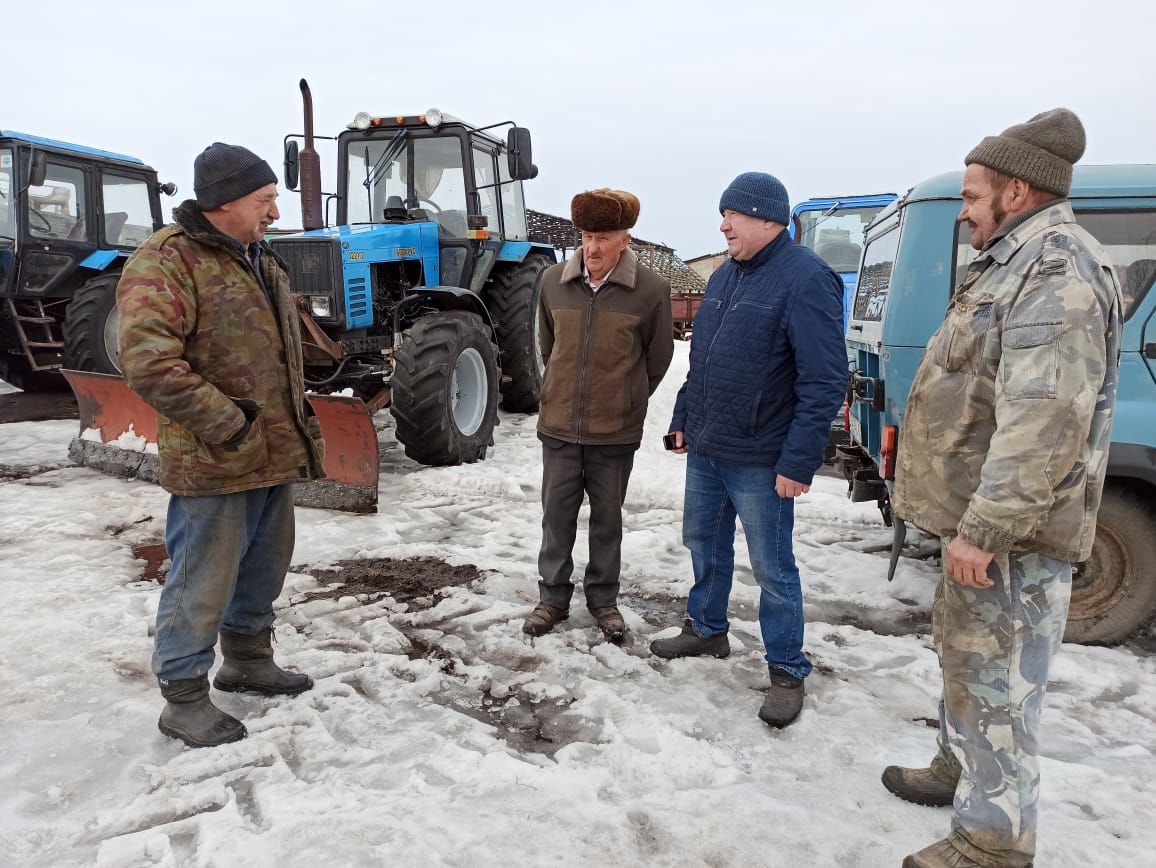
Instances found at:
x=995 y=647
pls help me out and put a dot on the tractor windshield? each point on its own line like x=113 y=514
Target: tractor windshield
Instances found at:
x=7 y=195
x=422 y=175
x=836 y=234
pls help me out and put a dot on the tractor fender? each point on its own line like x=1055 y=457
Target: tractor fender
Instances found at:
x=447 y=298
x=517 y=251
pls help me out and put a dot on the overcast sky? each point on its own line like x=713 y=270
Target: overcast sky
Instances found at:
x=667 y=100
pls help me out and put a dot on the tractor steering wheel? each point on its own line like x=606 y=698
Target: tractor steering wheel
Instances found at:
x=432 y=204
x=32 y=212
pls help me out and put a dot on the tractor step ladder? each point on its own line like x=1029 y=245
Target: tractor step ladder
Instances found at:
x=27 y=344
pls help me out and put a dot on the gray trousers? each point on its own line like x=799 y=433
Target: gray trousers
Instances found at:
x=569 y=471
x=995 y=647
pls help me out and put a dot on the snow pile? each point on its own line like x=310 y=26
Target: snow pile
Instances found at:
x=129 y=440
x=438 y=735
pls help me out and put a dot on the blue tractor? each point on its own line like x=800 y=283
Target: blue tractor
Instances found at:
x=833 y=227
x=423 y=294
x=69 y=218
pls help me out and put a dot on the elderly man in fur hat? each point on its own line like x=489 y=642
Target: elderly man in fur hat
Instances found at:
x=607 y=340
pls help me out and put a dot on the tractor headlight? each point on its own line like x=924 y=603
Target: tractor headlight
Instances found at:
x=321 y=305
x=433 y=117
x=361 y=121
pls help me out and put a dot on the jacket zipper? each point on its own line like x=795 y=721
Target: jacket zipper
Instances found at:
x=706 y=365
x=582 y=360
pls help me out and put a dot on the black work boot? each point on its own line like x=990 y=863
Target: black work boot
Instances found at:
x=543 y=619
x=689 y=644
x=190 y=715
x=249 y=667
x=933 y=787
x=784 y=699
x=610 y=623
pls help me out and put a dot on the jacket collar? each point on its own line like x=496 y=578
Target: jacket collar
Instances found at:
x=625 y=270
x=1053 y=213
x=767 y=253
x=192 y=220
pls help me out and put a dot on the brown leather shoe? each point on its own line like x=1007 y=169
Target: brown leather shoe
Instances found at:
x=933 y=787
x=610 y=623
x=543 y=619
x=955 y=852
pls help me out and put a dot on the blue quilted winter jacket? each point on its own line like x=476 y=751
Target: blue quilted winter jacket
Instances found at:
x=768 y=366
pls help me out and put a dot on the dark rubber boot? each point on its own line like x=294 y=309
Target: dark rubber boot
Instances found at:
x=784 y=699
x=610 y=623
x=954 y=851
x=543 y=619
x=933 y=787
x=689 y=644
x=249 y=667
x=191 y=716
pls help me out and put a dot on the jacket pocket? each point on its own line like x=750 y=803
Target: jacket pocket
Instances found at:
x=313 y=429
x=1030 y=364
x=221 y=462
x=967 y=336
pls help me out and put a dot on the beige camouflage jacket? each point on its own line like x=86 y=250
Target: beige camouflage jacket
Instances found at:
x=198 y=333
x=1005 y=438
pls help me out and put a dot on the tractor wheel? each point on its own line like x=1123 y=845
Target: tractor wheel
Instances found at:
x=445 y=389
x=1114 y=591
x=90 y=327
x=513 y=302
x=15 y=370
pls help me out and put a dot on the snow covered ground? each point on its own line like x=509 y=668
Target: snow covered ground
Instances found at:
x=438 y=735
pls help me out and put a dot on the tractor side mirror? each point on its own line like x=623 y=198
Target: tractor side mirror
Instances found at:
x=292 y=165
x=519 y=154
x=37 y=169
x=168 y=188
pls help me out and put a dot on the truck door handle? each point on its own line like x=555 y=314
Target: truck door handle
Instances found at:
x=1149 y=351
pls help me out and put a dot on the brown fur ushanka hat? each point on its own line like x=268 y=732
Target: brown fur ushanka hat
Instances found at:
x=604 y=210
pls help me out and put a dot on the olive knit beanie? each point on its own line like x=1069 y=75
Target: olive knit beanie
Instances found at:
x=757 y=194
x=1040 y=151
x=222 y=173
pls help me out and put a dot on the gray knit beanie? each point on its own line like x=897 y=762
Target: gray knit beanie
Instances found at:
x=1040 y=151
x=757 y=194
x=222 y=173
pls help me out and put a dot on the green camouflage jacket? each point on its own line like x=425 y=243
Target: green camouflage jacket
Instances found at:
x=197 y=334
x=1005 y=438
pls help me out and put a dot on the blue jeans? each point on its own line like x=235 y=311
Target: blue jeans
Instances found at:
x=717 y=492
x=230 y=553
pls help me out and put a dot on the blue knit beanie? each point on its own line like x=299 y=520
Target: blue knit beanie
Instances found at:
x=757 y=194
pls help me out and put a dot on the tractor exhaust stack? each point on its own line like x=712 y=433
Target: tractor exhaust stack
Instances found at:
x=311 y=213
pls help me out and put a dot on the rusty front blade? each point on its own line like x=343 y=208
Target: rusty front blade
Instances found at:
x=106 y=404
x=351 y=457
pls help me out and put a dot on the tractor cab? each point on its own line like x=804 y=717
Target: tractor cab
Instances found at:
x=69 y=217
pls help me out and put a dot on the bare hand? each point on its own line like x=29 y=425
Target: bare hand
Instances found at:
x=967 y=564
x=680 y=443
x=788 y=487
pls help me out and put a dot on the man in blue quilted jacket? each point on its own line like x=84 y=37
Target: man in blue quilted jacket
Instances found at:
x=768 y=371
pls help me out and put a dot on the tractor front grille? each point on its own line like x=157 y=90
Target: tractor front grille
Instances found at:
x=314 y=265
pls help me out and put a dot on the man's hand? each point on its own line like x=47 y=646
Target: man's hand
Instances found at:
x=788 y=487
x=967 y=564
x=679 y=443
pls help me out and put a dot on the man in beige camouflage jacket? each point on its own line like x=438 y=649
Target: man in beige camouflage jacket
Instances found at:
x=1003 y=454
x=210 y=338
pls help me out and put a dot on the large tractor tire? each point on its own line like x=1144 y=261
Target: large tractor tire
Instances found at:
x=445 y=389
x=15 y=370
x=90 y=327
x=513 y=302
x=1114 y=591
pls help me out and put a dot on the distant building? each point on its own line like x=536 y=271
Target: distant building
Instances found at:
x=704 y=266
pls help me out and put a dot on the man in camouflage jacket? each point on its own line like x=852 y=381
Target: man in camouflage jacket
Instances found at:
x=1003 y=455
x=209 y=337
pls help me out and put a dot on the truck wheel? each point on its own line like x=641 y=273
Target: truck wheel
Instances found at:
x=90 y=327
x=1114 y=591
x=445 y=389
x=15 y=370
x=513 y=302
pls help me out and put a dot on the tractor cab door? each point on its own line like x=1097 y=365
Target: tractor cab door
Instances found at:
x=7 y=219
x=129 y=209
x=59 y=229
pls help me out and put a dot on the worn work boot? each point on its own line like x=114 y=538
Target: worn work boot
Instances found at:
x=249 y=667
x=933 y=787
x=610 y=623
x=689 y=644
x=190 y=715
x=543 y=619
x=954 y=852
x=784 y=699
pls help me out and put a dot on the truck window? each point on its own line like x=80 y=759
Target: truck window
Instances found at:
x=875 y=277
x=836 y=234
x=1128 y=237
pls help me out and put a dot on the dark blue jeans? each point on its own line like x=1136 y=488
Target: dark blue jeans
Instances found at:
x=229 y=556
x=717 y=492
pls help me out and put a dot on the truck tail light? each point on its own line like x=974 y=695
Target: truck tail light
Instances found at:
x=887 y=449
